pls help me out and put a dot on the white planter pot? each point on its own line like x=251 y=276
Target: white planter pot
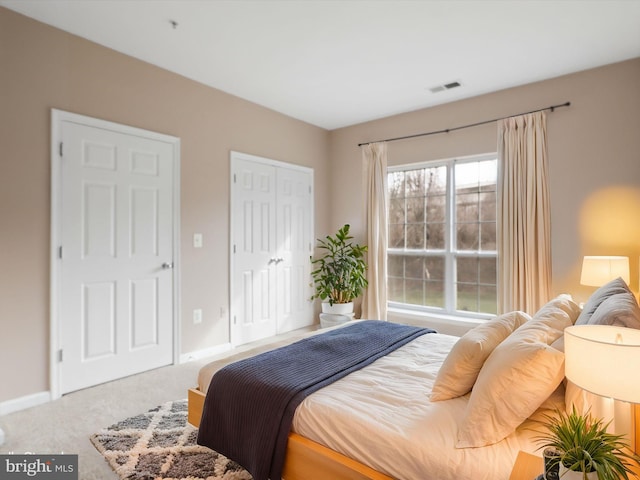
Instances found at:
x=332 y=319
x=569 y=475
x=338 y=308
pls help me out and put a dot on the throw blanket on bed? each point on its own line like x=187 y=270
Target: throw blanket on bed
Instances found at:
x=250 y=404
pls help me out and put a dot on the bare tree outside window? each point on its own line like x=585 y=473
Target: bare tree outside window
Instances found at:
x=442 y=236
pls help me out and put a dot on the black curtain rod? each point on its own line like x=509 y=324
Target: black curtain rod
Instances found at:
x=552 y=108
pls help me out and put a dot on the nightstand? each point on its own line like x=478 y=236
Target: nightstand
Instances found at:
x=527 y=467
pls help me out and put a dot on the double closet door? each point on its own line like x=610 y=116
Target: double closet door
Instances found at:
x=271 y=245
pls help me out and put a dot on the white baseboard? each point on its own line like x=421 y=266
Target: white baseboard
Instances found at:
x=207 y=352
x=16 y=404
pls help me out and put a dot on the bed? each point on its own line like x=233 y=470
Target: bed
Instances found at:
x=385 y=420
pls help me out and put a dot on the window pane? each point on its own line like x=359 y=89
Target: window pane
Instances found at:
x=476 y=284
x=434 y=294
x=396 y=210
x=488 y=299
x=415 y=210
x=395 y=266
x=414 y=267
x=413 y=292
x=436 y=180
x=395 y=184
x=434 y=268
x=467 y=235
x=396 y=289
x=436 y=208
x=467 y=176
x=467 y=297
x=435 y=236
x=467 y=207
x=415 y=236
x=414 y=181
x=488 y=271
x=396 y=236
x=467 y=270
x=488 y=207
x=488 y=237
x=488 y=172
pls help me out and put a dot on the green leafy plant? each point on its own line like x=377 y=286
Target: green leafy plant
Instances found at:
x=584 y=445
x=339 y=273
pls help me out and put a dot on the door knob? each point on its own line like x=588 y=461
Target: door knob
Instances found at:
x=167 y=266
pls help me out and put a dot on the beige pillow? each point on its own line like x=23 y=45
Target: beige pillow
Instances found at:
x=518 y=376
x=463 y=363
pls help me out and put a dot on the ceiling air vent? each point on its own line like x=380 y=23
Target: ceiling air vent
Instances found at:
x=446 y=86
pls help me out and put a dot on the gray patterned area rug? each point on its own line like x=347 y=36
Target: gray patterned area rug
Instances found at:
x=161 y=445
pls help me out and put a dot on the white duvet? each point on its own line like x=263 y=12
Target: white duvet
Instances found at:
x=382 y=417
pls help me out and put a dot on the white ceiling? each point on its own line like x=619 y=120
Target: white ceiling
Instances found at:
x=337 y=63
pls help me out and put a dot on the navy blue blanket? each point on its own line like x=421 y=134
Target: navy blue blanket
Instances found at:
x=250 y=404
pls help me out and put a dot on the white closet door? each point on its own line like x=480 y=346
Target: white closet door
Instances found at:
x=271 y=218
x=116 y=314
x=293 y=271
x=253 y=292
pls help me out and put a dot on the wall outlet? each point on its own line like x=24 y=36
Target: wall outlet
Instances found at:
x=197 y=316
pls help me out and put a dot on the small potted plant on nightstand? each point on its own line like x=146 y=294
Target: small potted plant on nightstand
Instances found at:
x=339 y=273
x=585 y=450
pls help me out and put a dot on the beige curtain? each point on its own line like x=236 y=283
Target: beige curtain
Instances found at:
x=374 y=163
x=524 y=240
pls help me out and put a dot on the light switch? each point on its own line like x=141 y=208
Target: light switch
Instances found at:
x=197 y=240
x=197 y=316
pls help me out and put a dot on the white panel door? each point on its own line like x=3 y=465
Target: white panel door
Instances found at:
x=272 y=225
x=116 y=230
x=253 y=301
x=294 y=244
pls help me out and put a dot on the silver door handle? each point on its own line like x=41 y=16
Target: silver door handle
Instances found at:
x=167 y=266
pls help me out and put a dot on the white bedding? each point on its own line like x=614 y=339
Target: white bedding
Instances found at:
x=381 y=416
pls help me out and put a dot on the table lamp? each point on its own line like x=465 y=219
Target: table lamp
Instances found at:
x=604 y=360
x=598 y=270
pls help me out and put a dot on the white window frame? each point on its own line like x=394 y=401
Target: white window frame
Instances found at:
x=448 y=253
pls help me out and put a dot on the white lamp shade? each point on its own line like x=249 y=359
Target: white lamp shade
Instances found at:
x=596 y=271
x=604 y=360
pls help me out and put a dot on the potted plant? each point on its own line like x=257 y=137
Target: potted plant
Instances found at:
x=584 y=449
x=339 y=272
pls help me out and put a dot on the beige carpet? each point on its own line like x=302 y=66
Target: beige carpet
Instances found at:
x=65 y=425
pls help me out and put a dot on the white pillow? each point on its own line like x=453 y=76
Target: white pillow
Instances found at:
x=460 y=368
x=518 y=376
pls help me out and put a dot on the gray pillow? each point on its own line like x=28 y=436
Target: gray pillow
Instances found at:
x=614 y=287
x=620 y=309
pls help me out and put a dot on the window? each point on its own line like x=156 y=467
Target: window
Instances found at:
x=442 y=236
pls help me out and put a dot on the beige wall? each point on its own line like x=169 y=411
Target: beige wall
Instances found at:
x=43 y=68
x=594 y=152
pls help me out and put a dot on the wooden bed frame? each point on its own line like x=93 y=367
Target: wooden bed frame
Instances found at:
x=305 y=459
